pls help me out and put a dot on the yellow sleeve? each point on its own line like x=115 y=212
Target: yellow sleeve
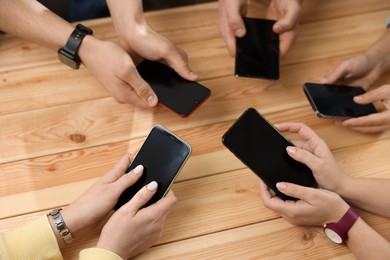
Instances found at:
x=34 y=240
x=98 y=254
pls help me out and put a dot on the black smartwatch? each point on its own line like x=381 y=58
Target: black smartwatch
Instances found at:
x=68 y=54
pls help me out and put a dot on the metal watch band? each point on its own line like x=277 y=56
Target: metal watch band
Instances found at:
x=60 y=225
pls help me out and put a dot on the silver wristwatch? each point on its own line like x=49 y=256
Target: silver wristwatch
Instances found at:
x=60 y=225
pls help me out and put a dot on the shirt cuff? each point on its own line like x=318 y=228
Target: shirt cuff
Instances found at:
x=98 y=254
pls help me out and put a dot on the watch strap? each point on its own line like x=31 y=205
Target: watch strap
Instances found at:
x=76 y=37
x=344 y=224
x=59 y=223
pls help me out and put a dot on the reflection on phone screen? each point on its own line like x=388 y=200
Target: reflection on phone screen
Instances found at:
x=257 y=53
x=263 y=149
x=163 y=154
x=336 y=101
x=175 y=93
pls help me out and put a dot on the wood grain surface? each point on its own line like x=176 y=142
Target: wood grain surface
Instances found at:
x=60 y=131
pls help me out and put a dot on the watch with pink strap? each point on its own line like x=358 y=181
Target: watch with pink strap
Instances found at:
x=338 y=232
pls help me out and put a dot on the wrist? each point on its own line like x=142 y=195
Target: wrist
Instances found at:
x=61 y=230
x=344 y=183
x=379 y=54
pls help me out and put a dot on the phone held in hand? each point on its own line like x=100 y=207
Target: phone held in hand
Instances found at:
x=257 y=53
x=336 y=101
x=261 y=147
x=175 y=93
x=163 y=154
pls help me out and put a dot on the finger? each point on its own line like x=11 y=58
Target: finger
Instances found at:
x=163 y=206
x=177 y=59
x=141 y=198
x=376 y=119
x=265 y=192
x=370 y=129
x=288 y=21
x=118 y=170
x=286 y=40
x=141 y=87
x=234 y=15
x=304 y=156
x=295 y=191
x=373 y=95
x=129 y=179
x=227 y=35
x=305 y=132
x=335 y=74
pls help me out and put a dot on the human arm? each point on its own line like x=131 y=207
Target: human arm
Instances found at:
x=113 y=67
x=317 y=207
x=34 y=240
x=366 y=193
x=285 y=12
x=136 y=35
x=363 y=69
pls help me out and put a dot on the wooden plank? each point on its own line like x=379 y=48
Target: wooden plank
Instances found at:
x=364 y=160
x=103 y=121
x=275 y=239
x=57 y=85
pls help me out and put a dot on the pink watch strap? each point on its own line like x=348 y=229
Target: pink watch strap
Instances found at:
x=344 y=224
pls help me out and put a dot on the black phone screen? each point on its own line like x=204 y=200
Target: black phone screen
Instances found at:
x=177 y=94
x=162 y=154
x=336 y=101
x=257 y=53
x=262 y=148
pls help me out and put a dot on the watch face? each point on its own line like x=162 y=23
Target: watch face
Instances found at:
x=332 y=235
x=68 y=59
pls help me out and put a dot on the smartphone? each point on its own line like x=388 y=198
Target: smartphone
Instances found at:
x=336 y=101
x=162 y=154
x=257 y=53
x=261 y=147
x=175 y=93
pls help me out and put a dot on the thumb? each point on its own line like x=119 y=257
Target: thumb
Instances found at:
x=287 y=22
x=178 y=61
x=371 y=96
x=292 y=190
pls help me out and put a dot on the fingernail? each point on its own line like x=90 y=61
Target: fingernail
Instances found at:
x=291 y=150
x=152 y=186
x=192 y=74
x=278 y=28
x=139 y=169
x=281 y=185
x=151 y=101
x=239 y=32
x=359 y=97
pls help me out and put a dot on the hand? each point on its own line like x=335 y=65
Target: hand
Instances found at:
x=356 y=71
x=231 y=23
x=286 y=12
x=376 y=122
x=131 y=230
x=313 y=151
x=92 y=207
x=115 y=70
x=315 y=207
x=135 y=35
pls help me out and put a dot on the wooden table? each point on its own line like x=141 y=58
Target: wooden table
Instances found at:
x=60 y=131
